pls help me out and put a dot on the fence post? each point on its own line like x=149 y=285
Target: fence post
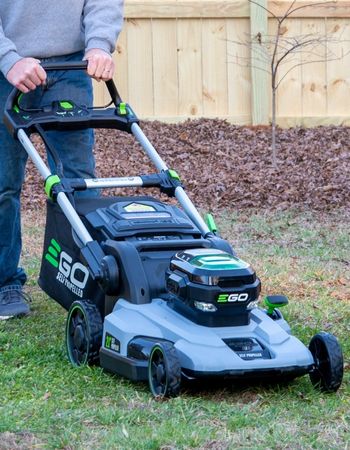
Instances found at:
x=259 y=67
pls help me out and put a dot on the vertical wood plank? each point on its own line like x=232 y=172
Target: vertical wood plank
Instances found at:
x=314 y=94
x=338 y=71
x=289 y=92
x=140 y=66
x=165 y=71
x=120 y=57
x=214 y=62
x=190 y=67
x=259 y=65
x=238 y=68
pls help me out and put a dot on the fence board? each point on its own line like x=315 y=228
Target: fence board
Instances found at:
x=214 y=61
x=289 y=93
x=188 y=9
x=314 y=74
x=165 y=67
x=258 y=63
x=238 y=68
x=228 y=8
x=140 y=65
x=338 y=71
x=121 y=69
x=189 y=40
x=179 y=58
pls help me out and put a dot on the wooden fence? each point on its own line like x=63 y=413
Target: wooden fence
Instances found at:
x=183 y=59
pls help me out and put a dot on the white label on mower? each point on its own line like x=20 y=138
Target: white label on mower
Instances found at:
x=238 y=297
x=73 y=276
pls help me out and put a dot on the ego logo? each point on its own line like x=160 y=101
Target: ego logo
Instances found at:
x=77 y=273
x=72 y=275
x=232 y=298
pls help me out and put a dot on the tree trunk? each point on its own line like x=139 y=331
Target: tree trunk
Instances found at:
x=274 y=151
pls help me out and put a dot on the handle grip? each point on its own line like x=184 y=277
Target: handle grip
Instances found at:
x=13 y=99
x=67 y=65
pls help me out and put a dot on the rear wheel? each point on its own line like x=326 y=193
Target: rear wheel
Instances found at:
x=164 y=371
x=328 y=356
x=83 y=333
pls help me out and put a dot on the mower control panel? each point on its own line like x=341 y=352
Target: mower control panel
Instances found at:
x=143 y=220
x=64 y=114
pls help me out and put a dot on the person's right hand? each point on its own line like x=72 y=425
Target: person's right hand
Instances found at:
x=26 y=74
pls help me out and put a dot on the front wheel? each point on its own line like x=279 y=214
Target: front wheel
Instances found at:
x=328 y=357
x=164 y=371
x=83 y=333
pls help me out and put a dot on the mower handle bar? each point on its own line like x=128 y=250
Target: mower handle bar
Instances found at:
x=76 y=65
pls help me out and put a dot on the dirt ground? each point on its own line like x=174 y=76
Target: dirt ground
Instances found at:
x=228 y=166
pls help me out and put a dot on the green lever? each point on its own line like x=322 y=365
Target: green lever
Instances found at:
x=211 y=223
x=275 y=301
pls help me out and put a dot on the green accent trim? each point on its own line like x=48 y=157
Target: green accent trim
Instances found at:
x=211 y=223
x=16 y=107
x=51 y=260
x=218 y=262
x=55 y=244
x=50 y=183
x=122 y=109
x=173 y=174
x=222 y=298
x=53 y=251
x=66 y=105
x=271 y=307
x=108 y=342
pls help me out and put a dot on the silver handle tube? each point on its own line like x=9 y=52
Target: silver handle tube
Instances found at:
x=191 y=210
x=73 y=218
x=33 y=154
x=62 y=199
x=148 y=147
x=180 y=194
x=100 y=183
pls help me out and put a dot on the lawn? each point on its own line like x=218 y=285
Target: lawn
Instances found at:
x=45 y=403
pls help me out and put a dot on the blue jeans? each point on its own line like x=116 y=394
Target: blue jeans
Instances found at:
x=74 y=149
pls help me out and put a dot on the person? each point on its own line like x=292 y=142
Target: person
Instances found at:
x=34 y=31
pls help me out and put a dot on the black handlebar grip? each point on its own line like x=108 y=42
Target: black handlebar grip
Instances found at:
x=113 y=92
x=67 y=65
x=12 y=100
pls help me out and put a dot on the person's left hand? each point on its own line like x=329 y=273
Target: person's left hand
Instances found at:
x=100 y=64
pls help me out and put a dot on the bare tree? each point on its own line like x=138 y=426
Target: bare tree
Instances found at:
x=270 y=53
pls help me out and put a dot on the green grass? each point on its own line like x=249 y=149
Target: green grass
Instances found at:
x=45 y=403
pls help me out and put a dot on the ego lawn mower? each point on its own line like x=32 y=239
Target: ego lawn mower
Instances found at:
x=152 y=292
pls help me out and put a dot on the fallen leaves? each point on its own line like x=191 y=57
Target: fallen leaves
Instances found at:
x=228 y=166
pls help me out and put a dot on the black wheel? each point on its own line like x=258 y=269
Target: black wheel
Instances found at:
x=164 y=371
x=83 y=333
x=328 y=373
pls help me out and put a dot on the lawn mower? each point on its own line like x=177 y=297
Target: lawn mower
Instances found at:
x=151 y=289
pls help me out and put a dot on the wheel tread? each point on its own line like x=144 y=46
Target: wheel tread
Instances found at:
x=94 y=329
x=336 y=363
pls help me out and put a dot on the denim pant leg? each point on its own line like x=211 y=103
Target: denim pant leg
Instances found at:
x=74 y=148
x=12 y=165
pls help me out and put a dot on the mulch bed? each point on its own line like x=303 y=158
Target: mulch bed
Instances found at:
x=228 y=166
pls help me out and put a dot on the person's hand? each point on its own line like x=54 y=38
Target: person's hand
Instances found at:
x=100 y=64
x=26 y=74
